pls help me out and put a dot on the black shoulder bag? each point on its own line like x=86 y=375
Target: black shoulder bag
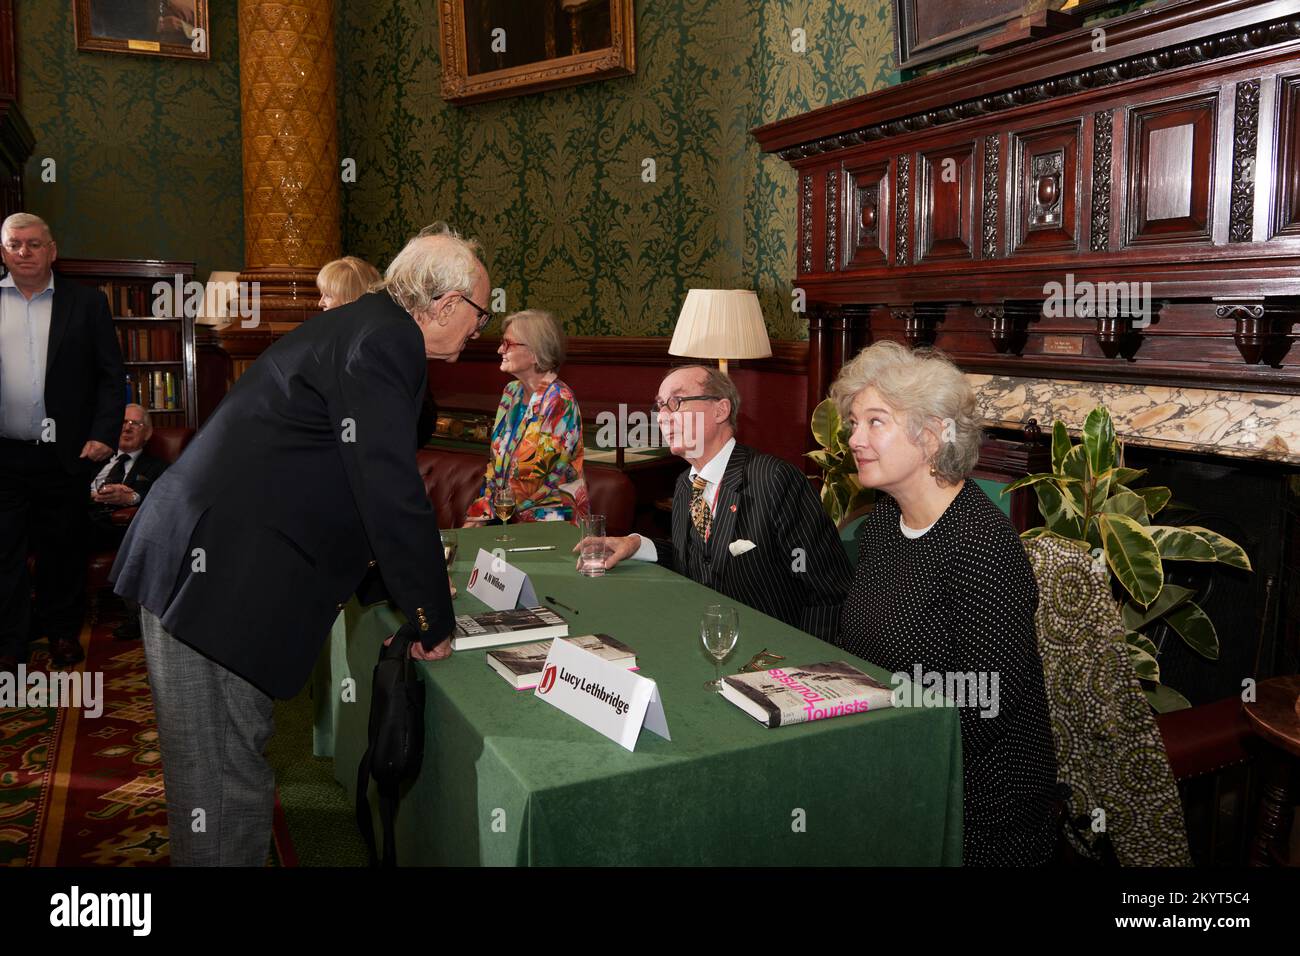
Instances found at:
x=396 y=742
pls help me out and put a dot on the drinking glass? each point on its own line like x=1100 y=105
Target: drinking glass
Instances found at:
x=504 y=503
x=719 y=630
x=591 y=556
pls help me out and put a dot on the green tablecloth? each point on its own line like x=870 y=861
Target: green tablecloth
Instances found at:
x=509 y=780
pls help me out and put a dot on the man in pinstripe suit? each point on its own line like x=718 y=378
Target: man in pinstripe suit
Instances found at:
x=744 y=523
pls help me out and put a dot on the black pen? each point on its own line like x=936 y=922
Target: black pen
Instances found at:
x=561 y=604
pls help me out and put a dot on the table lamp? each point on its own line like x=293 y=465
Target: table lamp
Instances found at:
x=721 y=324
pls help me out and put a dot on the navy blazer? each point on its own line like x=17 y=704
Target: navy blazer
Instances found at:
x=797 y=571
x=304 y=476
x=85 y=380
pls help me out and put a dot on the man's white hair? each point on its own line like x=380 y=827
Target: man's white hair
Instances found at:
x=24 y=220
x=435 y=262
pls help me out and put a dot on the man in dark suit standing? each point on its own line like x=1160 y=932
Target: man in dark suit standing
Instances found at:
x=122 y=483
x=62 y=393
x=744 y=523
x=248 y=546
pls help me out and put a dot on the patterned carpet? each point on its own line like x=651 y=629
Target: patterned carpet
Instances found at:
x=77 y=790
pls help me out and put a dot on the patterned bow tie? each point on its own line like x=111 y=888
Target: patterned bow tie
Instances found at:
x=701 y=513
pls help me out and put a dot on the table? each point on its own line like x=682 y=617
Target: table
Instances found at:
x=1275 y=716
x=509 y=780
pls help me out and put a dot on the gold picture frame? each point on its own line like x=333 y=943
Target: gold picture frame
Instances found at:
x=555 y=43
x=174 y=28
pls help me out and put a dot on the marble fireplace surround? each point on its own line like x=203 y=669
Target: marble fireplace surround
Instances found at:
x=1255 y=425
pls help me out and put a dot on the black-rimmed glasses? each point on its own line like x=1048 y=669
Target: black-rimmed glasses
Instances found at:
x=674 y=403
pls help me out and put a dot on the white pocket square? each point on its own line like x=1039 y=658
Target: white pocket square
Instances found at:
x=737 y=548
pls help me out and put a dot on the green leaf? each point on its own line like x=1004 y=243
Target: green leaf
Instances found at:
x=1140 y=640
x=1125 y=503
x=1126 y=476
x=1132 y=556
x=1075 y=464
x=1091 y=534
x=1060 y=444
x=823 y=459
x=1144 y=663
x=1136 y=617
x=1179 y=544
x=1030 y=480
x=1058 y=514
x=1165 y=699
x=826 y=423
x=1099 y=440
x=1196 y=629
x=1156 y=497
x=1101 y=490
x=1227 y=550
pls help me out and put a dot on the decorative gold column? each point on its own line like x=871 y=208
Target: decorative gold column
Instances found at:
x=290 y=142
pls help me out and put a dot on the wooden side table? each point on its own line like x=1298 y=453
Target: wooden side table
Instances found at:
x=1275 y=716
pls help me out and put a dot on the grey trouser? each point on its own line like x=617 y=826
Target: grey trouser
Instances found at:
x=213 y=727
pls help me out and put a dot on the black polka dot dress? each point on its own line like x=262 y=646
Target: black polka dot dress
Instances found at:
x=960 y=599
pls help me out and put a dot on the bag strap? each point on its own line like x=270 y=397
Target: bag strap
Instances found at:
x=399 y=648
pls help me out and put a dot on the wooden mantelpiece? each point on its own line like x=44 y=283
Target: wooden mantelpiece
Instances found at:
x=948 y=209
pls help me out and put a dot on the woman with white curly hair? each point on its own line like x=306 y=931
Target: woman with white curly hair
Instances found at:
x=943 y=584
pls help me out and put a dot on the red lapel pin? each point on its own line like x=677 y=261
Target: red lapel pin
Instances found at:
x=733 y=508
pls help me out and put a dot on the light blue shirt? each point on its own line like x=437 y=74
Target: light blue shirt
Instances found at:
x=24 y=346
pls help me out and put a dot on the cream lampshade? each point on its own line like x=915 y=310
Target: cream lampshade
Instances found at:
x=220 y=299
x=721 y=324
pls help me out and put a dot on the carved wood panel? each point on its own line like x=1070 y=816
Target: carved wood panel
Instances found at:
x=947 y=202
x=1046 y=202
x=1171 y=148
x=1286 y=213
x=869 y=214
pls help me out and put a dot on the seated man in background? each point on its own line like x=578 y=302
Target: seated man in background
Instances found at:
x=123 y=482
x=744 y=523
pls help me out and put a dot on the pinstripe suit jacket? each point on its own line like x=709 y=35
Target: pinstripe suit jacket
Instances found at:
x=767 y=501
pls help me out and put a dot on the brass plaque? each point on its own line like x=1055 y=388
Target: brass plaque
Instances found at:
x=152 y=46
x=1063 y=344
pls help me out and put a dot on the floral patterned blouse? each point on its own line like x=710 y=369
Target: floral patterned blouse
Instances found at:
x=537 y=444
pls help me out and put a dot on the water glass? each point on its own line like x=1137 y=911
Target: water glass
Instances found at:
x=591 y=556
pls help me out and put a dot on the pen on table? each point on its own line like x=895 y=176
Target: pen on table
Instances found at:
x=561 y=604
x=542 y=547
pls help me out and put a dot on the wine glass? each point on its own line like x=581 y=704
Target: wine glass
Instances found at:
x=504 y=503
x=719 y=630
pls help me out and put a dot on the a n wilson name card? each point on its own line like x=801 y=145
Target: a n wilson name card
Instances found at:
x=499 y=584
x=606 y=697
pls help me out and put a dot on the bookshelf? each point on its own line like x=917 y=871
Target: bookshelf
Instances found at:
x=158 y=352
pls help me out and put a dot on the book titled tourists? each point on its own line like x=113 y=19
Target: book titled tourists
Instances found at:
x=495 y=628
x=795 y=695
x=521 y=664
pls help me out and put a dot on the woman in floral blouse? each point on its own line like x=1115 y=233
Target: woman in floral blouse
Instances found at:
x=537 y=436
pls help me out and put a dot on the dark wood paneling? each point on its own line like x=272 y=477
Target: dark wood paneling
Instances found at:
x=1286 y=216
x=946 y=188
x=870 y=217
x=1169 y=171
x=1046 y=204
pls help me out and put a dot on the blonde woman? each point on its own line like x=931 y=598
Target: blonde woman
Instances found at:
x=344 y=280
x=537 y=436
x=944 y=585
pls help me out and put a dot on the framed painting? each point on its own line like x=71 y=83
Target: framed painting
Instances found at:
x=177 y=28
x=497 y=48
x=929 y=30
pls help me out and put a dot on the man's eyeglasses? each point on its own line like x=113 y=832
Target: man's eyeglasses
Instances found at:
x=33 y=245
x=674 y=403
x=128 y=423
x=484 y=316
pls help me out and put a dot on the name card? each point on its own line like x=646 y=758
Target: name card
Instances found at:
x=499 y=584
x=606 y=697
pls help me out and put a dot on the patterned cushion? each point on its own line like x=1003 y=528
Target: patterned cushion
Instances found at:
x=1108 y=749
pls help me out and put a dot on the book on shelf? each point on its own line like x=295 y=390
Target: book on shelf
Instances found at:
x=795 y=695
x=149 y=344
x=521 y=664
x=157 y=391
x=494 y=628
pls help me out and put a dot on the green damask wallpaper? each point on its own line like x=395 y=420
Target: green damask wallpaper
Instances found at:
x=552 y=183
x=146 y=149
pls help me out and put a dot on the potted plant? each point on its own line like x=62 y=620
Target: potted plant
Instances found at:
x=841 y=493
x=1091 y=500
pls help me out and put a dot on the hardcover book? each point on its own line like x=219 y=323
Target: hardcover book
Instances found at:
x=521 y=665
x=795 y=695
x=494 y=628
